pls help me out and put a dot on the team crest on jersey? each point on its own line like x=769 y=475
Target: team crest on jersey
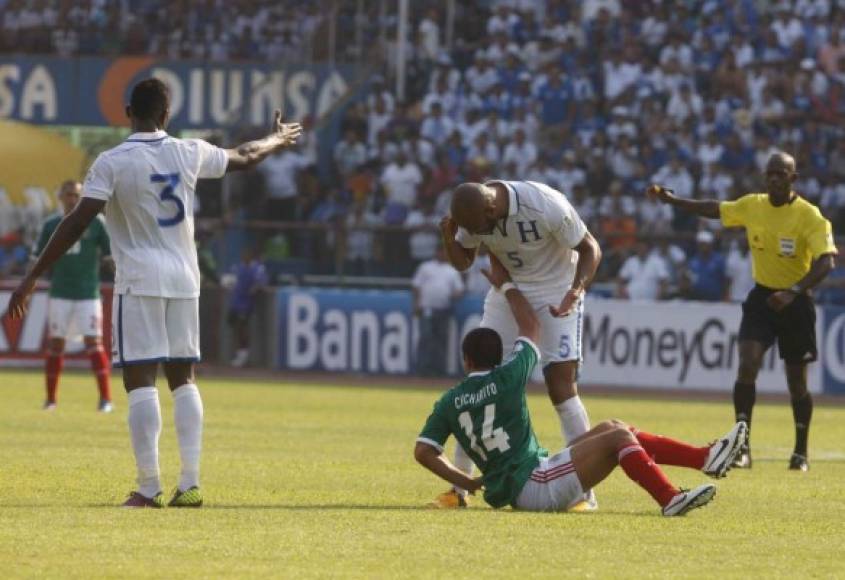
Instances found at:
x=787 y=246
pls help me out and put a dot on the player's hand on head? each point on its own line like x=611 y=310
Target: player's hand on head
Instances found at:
x=497 y=274
x=288 y=132
x=658 y=193
x=448 y=227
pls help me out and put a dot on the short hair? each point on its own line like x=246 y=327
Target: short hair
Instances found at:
x=483 y=348
x=150 y=99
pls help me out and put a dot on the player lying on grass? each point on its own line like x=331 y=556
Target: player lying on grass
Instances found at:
x=487 y=413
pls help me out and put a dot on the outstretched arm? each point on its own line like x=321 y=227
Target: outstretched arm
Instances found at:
x=523 y=312
x=252 y=153
x=708 y=208
x=437 y=462
x=69 y=230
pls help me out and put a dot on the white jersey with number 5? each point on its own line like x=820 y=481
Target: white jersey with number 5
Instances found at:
x=148 y=184
x=535 y=241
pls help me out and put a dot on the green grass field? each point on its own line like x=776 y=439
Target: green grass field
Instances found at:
x=315 y=481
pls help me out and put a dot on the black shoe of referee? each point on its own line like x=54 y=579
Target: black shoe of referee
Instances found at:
x=798 y=463
x=743 y=460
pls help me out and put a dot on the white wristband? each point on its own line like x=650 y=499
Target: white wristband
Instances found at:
x=507 y=286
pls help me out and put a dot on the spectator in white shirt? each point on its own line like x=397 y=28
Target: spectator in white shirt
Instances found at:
x=520 y=152
x=436 y=286
x=481 y=76
x=424 y=238
x=684 y=104
x=484 y=151
x=400 y=180
x=281 y=172
x=644 y=275
x=349 y=153
x=437 y=128
x=738 y=272
x=674 y=176
x=429 y=33
x=716 y=182
x=787 y=28
x=710 y=152
x=377 y=120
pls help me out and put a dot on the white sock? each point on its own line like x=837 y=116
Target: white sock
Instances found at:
x=464 y=463
x=573 y=418
x=187 y=414
x=144 y=430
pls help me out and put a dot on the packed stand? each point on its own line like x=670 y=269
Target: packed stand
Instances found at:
x=598 y=99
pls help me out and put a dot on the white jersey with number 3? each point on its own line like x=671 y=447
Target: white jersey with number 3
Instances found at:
x=148 y=184
x=535 y=241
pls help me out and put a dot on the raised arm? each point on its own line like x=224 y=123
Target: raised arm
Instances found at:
x=252 y=153
x=460 y=257
x=526 y=318
x=708 y=208
x=69 y=230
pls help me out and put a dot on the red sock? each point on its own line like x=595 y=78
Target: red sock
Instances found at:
x=666 y=451
x=53 y=368
x=639 y=467
x=100 y=366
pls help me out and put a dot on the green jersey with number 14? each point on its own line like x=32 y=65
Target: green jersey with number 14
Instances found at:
x=488 y=415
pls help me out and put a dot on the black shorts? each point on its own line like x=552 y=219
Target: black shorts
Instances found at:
x=794 y=327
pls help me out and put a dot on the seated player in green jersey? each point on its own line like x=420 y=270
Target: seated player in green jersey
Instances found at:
x=487 y=413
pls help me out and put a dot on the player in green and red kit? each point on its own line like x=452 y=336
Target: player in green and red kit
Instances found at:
x=488 y=415
x=75 y=307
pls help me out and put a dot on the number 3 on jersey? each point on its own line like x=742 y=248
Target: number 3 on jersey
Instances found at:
x=166 y=195
x=493 y=439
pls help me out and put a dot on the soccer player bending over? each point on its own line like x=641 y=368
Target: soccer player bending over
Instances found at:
x=145 y=186
x=488 y=415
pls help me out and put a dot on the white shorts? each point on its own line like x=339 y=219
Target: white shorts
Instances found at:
x=560 y=338
x=71 y=318
x=552 y=487
x=147 y=329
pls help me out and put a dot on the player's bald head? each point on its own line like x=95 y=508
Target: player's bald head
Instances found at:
x=473 y=207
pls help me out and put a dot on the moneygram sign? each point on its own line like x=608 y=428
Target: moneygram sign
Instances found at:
x=94 y=91
x=685 y=345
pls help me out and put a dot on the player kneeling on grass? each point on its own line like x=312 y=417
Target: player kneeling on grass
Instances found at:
x=487 y=413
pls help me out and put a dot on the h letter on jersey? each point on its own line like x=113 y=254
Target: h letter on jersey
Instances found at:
x=523 y=231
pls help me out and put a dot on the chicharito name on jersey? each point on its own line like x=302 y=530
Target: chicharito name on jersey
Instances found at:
x=465 y=399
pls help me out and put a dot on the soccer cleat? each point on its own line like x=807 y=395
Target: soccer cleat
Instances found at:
x=689 y=500
x=449 y=500
x=723 y=452
x=743 y=458
x=49 y=406
x=190 y=498
x=798 y=463
x=136 y=500
x=105 y=406
x=589 y=503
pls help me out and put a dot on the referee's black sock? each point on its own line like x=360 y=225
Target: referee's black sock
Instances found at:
x=802 y=412
x=744 y=396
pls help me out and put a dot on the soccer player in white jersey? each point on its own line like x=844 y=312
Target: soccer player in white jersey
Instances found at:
x=145 y=186
x=551 y=256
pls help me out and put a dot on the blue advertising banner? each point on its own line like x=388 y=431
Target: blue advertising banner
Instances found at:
x=655 y=345
x=364 y=331
x=94 y=91
x=831 y=345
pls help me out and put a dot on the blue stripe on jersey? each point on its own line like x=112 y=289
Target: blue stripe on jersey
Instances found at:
x=146 y=140
x=120 y=328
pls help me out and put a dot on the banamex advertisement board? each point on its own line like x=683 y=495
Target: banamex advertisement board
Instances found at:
x=642 y=345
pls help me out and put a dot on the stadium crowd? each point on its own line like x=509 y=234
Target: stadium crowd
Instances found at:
x=597 y=98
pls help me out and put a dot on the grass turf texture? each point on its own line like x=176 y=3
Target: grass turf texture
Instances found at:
x=308 y=481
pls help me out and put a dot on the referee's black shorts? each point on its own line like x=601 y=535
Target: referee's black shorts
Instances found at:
x=794 y=327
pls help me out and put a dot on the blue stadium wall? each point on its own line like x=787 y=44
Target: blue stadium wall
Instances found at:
x=644 y=345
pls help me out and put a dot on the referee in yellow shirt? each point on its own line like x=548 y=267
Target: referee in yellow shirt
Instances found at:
x=792 y=250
